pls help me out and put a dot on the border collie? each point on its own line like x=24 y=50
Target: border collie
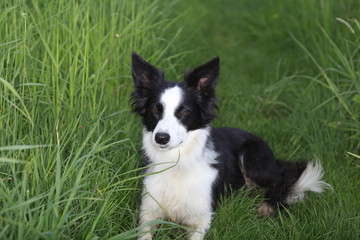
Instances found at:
x=191 y=164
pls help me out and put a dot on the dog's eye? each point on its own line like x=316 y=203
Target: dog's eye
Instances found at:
x=156 y=110
x=182 y=113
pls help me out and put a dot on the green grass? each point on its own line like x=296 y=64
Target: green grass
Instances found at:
x=69 y=160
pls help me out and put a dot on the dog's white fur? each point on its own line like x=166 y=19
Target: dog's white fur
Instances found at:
x=175 y=190
x=310 y=180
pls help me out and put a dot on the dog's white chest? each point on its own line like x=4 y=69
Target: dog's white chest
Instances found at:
x=182 y=193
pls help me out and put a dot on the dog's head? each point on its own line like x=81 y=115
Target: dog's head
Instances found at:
x=169 y=110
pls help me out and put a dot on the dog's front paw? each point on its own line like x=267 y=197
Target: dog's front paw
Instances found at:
x=196 y=236
x=147 y=236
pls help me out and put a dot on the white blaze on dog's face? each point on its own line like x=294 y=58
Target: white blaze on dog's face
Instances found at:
x=169 y=131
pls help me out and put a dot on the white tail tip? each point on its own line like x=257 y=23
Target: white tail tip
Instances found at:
x=310 y=180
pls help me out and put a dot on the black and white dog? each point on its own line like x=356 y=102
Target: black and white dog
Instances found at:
x=190 y=164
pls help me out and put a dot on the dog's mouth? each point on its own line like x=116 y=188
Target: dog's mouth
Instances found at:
x=163 y=148
x=167 y=147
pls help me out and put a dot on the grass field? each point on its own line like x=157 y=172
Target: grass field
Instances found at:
x=69 y=160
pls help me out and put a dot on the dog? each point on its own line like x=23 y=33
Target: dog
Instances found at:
x=190 y=164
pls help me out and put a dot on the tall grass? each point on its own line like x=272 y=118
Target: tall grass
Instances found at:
x=69 y=159
x=67 y=155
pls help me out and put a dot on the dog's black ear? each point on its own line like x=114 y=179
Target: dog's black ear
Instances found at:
x=203 y=80
x=144 y=74
x=146 y=77
x=204 y=77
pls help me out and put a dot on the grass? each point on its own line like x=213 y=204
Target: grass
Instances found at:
x=69 y=161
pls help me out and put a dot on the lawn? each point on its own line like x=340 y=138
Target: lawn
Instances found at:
x=69 y=144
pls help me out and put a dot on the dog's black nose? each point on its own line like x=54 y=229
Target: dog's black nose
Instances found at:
x=162 y=138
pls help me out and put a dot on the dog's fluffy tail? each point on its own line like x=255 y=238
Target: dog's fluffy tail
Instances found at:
x=309 y=180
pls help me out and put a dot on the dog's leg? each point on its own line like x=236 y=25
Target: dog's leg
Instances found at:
x=145 y=229
x=149 y=211
x=260 y=168
x=200 y=226
x=273 y=197
x=278 y=191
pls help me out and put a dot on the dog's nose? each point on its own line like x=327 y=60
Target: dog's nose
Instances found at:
x=162 y=138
